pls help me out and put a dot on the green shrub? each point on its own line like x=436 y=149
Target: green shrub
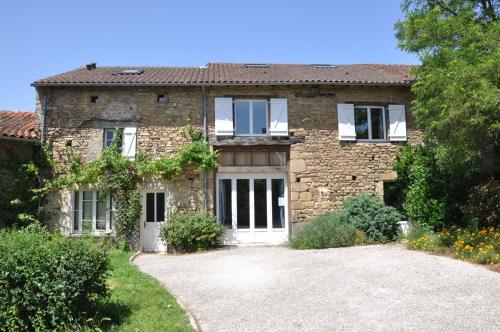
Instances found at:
x=369 y=214
x=49 y=282
x=483 y=205
x=325 y=231
x=192 y=231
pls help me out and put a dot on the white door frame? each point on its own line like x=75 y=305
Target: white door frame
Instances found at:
x=146 y=227
x=253 y=235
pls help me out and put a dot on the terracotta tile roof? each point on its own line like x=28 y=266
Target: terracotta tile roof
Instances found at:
x=236 y=74
x=17 y=124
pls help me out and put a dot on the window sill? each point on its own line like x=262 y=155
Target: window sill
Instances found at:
x=92 y=233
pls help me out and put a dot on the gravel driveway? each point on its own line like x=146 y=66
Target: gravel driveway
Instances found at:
x=383 y=288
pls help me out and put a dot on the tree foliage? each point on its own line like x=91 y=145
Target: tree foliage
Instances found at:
x=457 y=101
x=457 y=107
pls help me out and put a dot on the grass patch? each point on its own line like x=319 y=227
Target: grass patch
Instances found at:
x=138 y=302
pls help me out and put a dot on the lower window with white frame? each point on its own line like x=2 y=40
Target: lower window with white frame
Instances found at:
x=93 y=212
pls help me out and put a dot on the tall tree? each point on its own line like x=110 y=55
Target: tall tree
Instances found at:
x=457 y=96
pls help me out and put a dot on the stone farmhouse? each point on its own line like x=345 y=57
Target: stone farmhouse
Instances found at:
x=293 y=140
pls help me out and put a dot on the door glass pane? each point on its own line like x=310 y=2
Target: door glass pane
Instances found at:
x=225 y=205
x=377 y=123
x=87 y=210
x=259 y=117
x=76 y=211
x=150 y=207
x=361 y=122
x=278 y=202
x=260 y=202
x=100 y=223
x=243 y=203
x=242 y=117
x=160 y=206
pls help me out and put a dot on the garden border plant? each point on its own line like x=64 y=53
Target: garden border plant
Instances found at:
x=120 y=177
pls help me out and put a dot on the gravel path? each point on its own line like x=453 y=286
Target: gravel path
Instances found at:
x=381 y=288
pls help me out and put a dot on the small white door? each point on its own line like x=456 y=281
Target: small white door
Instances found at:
x=153 y=218
x=253 y=207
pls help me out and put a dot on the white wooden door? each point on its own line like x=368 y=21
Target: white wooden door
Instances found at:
x=153 y=218
x=253 y=207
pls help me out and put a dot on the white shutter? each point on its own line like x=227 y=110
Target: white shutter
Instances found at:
x=397 y=127
x=129 y=142
x=347 y=130
x=279 y=117
x=224 y=116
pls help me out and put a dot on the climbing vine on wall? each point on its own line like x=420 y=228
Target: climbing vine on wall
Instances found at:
x=120 y=177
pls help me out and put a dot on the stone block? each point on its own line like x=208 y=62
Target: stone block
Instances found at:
x=305 y=196
x=297 y=165
x=299 y=186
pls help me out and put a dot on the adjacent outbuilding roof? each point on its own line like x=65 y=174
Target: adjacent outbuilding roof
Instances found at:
x=14 y=124
x=235 y=74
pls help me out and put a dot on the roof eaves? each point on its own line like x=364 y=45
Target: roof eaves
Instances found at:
x=224 y=83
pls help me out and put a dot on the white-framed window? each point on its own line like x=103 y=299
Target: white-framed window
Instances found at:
x=155 y=207
x=370 y=123
x=93 y=212
x=250 y=117
x=109 y=135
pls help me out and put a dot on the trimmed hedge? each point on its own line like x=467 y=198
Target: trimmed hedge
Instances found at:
x=188 y=231
x=49 y=282
x=329 y=230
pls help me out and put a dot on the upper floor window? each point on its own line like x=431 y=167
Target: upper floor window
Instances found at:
x=250 y=117
x=370 y=123
x=109 y=135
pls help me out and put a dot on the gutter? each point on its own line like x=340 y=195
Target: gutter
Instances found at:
x=20 y=139
x=227 y=84
x=205 y=138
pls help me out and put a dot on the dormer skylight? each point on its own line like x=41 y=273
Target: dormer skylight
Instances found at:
x=131 y=72
x=321 y=66
x=256 y=65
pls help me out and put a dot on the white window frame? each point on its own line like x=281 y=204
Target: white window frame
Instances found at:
x=94 y=231
x=369 y=113
x=251 y=116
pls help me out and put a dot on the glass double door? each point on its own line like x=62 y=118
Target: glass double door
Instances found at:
x=253 y=207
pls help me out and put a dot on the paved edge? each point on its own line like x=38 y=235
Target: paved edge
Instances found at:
x=193 y=321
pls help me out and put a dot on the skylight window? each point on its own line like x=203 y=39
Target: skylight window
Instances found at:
x=131 y=72
x=256 y=65
x=320 y=66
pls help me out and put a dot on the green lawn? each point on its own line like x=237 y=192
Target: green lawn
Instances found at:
x=138 y=302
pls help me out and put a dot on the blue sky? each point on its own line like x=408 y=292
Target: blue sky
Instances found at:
x=43 y=38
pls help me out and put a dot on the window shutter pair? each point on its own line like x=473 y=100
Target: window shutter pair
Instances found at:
x=347 y=129
x=224 y=117
x=129 y=142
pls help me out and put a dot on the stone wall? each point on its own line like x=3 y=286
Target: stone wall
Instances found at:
x=323 y=170
x=13 y=151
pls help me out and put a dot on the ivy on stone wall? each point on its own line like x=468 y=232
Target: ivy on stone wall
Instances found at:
x=120 y=177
